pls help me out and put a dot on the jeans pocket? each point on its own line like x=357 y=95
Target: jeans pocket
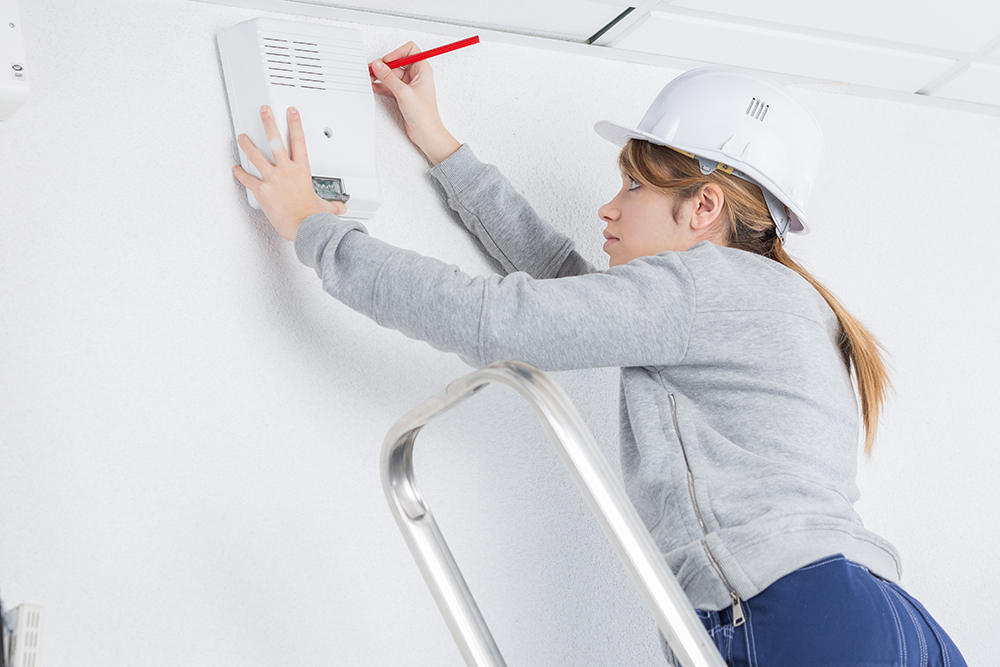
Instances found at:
x=940 y=648
x=893 y=603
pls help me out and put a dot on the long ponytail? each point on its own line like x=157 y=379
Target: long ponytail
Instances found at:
x=749 y=227
x=860 y=348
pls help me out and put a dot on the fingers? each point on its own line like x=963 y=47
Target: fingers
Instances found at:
x=273 y=136
x=407 y=49
x=390 y=81
x=406 y=75
x=296 y=137
x=248 y=181
x=256 y=158
x=377 y=84
x=381 y=89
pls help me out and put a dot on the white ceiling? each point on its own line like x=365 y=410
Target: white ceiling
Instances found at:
x=944 y=51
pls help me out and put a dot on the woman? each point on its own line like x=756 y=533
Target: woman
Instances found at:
x=739 y=418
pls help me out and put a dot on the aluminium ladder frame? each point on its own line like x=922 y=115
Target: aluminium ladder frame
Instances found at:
x=594 y=478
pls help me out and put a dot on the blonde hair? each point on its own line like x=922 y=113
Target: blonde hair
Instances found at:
x=748 y=226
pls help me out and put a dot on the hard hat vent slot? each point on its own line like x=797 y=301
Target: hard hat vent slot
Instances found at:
x=757 y=109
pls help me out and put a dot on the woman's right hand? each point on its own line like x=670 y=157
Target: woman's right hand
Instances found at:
x=413 y=89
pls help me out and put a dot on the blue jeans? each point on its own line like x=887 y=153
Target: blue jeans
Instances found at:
x=832 y=613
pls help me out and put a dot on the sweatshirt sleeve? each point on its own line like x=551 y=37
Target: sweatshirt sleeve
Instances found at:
x=638 y=314
x=503 y=221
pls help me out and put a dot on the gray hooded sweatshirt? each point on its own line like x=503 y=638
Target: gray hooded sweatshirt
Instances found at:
x=739 y=425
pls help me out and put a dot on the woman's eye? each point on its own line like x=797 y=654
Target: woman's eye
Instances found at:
x=634 y=185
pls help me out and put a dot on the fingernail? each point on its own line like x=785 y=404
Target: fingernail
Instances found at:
x=263 y=109
x=241 y=137
x=376 y=65
x=292 y=110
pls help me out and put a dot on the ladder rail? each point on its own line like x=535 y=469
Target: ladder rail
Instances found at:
x=597 y=483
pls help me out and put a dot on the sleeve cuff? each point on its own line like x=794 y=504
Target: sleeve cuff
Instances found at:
x=317 y=232
x=458 y=171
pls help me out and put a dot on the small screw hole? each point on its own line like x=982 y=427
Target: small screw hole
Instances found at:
x=328 y=133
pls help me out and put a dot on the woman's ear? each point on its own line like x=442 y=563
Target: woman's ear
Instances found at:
x=707 y=207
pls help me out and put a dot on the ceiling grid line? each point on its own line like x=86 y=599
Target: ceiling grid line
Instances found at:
x=623 y=28
x=615 y=21
x=982 y=54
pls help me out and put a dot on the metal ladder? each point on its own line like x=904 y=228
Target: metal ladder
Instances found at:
x=593 y=476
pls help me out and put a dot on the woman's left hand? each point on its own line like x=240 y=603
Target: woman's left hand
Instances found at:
x=285 y=193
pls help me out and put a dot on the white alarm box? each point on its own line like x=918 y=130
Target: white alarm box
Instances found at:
x=14 y=86
x=321 y=71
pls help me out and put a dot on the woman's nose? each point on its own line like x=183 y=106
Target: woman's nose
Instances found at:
x=608 y=212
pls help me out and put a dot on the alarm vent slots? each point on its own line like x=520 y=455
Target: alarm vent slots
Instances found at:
x=316 y=64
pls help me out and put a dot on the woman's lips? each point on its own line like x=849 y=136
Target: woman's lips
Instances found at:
x=611 y=240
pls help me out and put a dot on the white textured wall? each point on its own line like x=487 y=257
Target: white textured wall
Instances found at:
x=190 y=428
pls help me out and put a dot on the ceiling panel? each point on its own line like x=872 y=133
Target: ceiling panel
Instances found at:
x=979 y=82
x=674 y=33
x=574 y=20
x=882 y=47
x=957 y=25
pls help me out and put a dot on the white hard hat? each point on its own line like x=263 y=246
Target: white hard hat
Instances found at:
x=743 y=125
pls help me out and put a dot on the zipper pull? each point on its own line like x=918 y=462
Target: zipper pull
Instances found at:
x=738 y=618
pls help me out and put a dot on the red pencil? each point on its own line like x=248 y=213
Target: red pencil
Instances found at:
x=423 y=55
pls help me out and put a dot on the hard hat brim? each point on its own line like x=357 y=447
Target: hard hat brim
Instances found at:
x=620 y=135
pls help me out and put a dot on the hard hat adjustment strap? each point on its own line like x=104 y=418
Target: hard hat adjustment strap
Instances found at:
x=778 y=211
x=708 y=166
